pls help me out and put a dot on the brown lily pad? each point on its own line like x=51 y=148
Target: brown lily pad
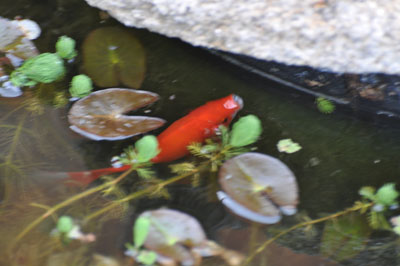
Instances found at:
x=13 y=41
x=111 y=56
x=258 y=187
x=179 y=238
x=100 y=116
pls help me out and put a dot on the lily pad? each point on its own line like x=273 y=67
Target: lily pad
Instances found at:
x=100 y=116
x=179 y=238
x=258 y=187
x=13 y=40
x=112 y=56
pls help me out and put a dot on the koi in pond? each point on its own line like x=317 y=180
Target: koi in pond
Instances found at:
x=196 y=126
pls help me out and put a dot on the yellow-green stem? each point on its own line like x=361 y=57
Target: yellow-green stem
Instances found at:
x=67 y=202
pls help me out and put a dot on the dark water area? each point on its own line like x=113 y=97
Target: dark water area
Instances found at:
x=340 y=152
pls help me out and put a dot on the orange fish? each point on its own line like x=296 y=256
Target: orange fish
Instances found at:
x=197 y=126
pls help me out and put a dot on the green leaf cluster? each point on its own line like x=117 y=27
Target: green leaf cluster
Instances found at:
x=65 y=47
x=386 y=195
x=81 y=86
x=44 y=68
x=147 y=148
x=325 y=106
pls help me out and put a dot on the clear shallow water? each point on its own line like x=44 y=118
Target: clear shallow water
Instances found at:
x=340 y=153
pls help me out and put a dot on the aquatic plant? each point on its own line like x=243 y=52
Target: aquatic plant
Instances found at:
x=175 y=237
x=207 y=158
x=288 y=146
x=100 y=116
x=65 y=47
x=258 y=187
x=46 y=67
x=112 y=56
x=81 y=86
x=324 y=105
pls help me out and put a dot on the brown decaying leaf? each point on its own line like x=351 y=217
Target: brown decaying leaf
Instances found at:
x=260 y=183
x=13 y=41
x=99 y=116
x=190 y=242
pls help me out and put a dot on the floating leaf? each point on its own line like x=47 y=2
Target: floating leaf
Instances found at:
x=255 y=185
x=245 y=131
x=65 y=224
x=178 y=237
x=324 y=105
x=147 y=148
x=99 y=116
x=81 y=86
x=288 y=146
x=112 y=56
x=345 y=237
x=387 y=194
x=140 y=230
x=65 y=47
x=13 y=40
x=44 y=68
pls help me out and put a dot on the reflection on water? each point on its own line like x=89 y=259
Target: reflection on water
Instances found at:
x=340 y=155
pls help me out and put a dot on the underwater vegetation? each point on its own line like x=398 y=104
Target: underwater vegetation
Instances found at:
x=113 y=56
x=171 y=237
x=69 y=229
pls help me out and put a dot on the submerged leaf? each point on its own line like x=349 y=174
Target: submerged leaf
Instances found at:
x=112 y=56
x=345 y=237
x=255 y=185
x=99 y=116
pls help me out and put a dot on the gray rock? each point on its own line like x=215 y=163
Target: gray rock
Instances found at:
x=354 y=36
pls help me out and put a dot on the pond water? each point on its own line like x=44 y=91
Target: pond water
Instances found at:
x=340 y=154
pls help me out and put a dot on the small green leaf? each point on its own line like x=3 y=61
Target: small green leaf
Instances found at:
x=140 y=231
x=81 y=86
x=245 y=131
x=387 y=194
x=65 y=224
x=288 y=146
x=147 y=257
x=65 y=47
x=147 y=148
x=368 y=192
x=324 y=105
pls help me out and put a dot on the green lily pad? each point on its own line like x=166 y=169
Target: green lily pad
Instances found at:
x=112 y=56
x=100 y=116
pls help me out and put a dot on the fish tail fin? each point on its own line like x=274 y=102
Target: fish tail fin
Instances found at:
x=86 y=177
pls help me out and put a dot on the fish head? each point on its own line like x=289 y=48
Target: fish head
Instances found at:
x=222 y=111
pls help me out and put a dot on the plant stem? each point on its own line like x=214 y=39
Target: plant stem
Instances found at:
x=142 y=192
x=299 y=225
x=67 y=202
